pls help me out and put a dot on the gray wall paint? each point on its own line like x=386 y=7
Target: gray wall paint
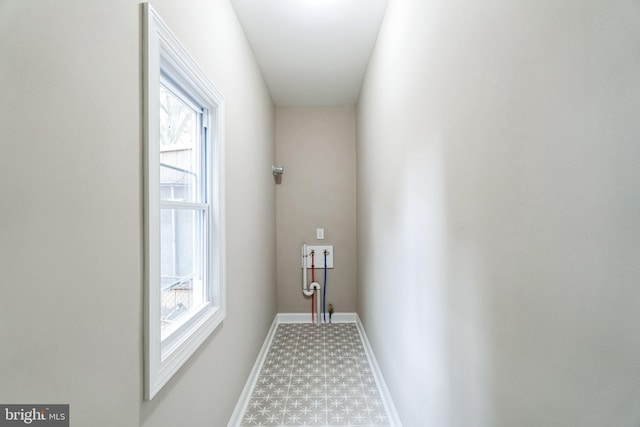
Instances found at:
x=316 y=145
x=71 y=211
x=498 y=167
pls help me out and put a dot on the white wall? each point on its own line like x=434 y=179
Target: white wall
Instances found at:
x=498 y=166
x=71 y=211
x=317 y=146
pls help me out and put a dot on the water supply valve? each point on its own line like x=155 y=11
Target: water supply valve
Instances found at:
x=319 y=252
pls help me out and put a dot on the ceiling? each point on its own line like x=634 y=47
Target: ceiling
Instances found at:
x=312 y=52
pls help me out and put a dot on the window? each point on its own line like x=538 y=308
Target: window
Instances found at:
x=184 y=221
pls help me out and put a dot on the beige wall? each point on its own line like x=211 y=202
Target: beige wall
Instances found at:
x=71 y=211
x=498 y=167
x=317 y=148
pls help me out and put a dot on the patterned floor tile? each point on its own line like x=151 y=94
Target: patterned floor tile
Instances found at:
x=316 y=375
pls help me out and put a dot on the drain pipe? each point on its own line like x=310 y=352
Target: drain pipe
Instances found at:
x=305 y=289
x=308 y=290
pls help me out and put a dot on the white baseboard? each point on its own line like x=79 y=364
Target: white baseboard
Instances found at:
x=377 y=374
x=306 y=317
x=245 y=396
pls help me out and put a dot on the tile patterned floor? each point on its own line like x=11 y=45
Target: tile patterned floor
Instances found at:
x=316 y=375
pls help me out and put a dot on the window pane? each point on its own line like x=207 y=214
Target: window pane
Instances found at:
x=181 y=264
x=179 y=154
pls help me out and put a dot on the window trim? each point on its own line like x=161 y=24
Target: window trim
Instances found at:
x=163 y=54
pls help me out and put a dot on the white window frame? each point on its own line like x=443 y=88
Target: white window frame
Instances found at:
x=163 y=54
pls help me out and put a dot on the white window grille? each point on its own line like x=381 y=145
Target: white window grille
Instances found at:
x=184 y=205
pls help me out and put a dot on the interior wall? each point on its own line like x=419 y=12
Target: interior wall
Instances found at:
x=498 y=167
x=71 y=212
x=316 y=145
